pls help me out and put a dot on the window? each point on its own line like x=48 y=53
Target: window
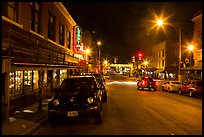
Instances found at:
x=27 y=81
x=51 y=27
x=162 y=63
x=16 y=83
x=35 y=16
x=35 y=80
x=61 y=34
x=63 y=75
x=69 y=40
x=54 y=78
x=10 y=10
x=163 y=53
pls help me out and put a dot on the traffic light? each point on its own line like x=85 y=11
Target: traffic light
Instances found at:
x=140 y=55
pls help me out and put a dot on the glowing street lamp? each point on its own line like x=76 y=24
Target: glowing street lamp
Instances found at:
x=160 y=22
x=190 y=48
x=99 y=52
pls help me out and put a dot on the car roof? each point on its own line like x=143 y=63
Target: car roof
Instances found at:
x=84 y=76
x=173 y=81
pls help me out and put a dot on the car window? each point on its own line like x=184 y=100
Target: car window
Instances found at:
x=150 y=79
x=77 y=83
x=176 y=82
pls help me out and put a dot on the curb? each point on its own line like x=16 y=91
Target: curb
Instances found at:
x=36 y=126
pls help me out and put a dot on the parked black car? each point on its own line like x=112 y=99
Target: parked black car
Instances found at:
x=77 y=96
x=101 y=81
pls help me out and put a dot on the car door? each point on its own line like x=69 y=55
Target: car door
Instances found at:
x=186 y=87
x=167 y=85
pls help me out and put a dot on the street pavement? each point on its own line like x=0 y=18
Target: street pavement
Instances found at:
x=29 y=119
x=26 y=120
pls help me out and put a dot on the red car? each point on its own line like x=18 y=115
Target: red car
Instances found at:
x=193 y=87
x=147 y=83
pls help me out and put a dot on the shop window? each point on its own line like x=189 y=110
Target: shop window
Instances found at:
x=45 y=79
x=27 y=81
x=11 y=84
x=18 y=82
x=35 y=80
x=63 y=75
x=54 y=78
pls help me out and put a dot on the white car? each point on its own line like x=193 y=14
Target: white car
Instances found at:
x=171 y=86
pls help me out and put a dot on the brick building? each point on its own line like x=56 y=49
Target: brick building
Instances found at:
x=37 y=52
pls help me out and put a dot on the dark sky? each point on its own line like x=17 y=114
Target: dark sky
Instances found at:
x=125 y=27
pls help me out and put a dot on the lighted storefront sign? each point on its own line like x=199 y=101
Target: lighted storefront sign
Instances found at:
x=78 y=45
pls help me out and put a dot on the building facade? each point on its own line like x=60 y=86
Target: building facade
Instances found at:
x=37 y=52
x=194 y=70
x=165 y=59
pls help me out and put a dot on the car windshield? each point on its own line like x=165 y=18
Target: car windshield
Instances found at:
x=77 y=84
x=176 y=82
x=98 y=76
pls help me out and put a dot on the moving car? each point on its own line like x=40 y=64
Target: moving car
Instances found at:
x=77 y=96
x=171 y=86
x=147 y=83
x=193 y=87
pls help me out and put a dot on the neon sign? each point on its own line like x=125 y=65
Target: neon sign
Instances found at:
x=78 y=46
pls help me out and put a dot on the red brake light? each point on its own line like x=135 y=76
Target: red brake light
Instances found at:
x=156 y=83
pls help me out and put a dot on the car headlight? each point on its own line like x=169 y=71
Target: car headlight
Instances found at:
x=56 y=102
x=90 y=100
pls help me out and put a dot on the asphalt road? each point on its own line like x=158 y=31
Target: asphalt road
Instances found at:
x=129 y=111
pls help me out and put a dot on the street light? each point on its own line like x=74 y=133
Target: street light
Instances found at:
x=190 y=48
x=87 y=51
x=178 y=30
x=99 y=44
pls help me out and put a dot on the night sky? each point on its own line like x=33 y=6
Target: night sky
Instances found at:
x=126 y=27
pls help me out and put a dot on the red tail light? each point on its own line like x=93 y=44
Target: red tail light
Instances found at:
x=156 y=83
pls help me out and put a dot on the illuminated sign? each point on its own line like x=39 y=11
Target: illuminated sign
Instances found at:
x=78 y=45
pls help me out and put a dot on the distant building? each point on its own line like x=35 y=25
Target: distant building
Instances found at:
x=165 y=59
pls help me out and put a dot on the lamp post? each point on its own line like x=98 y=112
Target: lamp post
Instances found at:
x=87 y=53
x=178 y=30
x=99 y=52
x=190 y=48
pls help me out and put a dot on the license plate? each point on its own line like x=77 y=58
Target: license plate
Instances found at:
x=72 y=113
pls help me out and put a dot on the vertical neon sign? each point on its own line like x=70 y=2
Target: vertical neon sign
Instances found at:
x=78 y=47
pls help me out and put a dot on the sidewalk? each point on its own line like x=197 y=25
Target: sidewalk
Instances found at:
x=25 y=121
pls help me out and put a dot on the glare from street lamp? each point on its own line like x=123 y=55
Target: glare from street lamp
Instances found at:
x=159 y=22
x=145 y=63
x=87 y=51
x=98 y=43
x=190 y=47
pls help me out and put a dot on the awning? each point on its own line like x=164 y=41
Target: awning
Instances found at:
x=159 y=71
